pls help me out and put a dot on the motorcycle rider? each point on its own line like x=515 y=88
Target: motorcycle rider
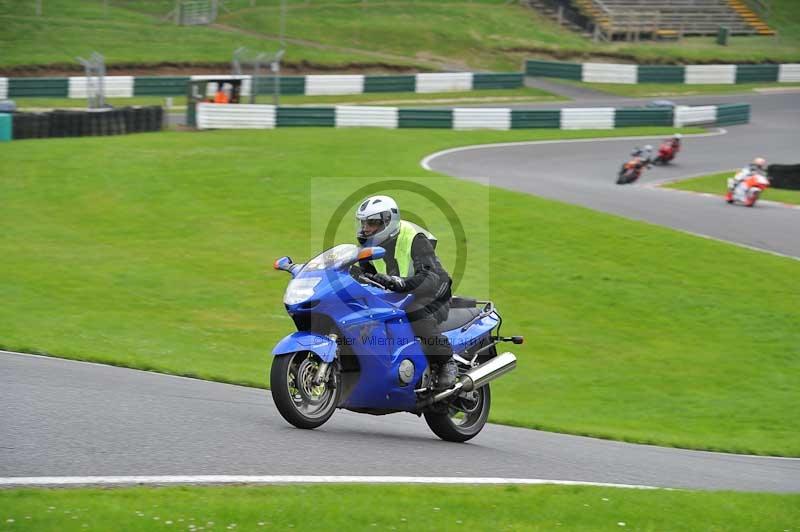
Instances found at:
x=645 y=154
x=757 y=168
x=409 y=265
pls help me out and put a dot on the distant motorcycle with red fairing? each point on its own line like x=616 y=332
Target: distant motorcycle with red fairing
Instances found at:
x=668 y=150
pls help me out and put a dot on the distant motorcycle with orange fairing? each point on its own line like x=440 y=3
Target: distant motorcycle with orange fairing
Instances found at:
x=748 y=184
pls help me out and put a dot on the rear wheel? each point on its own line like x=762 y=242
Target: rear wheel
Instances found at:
x=301 y=401
x=463 y=417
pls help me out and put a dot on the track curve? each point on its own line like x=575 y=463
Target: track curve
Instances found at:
x=583 y=173
x=67 y=418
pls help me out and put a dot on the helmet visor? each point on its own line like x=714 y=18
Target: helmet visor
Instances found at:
x=372 y=225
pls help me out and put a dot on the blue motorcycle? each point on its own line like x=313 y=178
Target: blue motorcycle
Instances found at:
x=354 y=349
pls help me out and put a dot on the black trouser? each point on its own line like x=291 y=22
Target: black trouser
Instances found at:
x=435 y=345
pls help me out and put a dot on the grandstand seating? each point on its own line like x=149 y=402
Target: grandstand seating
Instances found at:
x=663 y=19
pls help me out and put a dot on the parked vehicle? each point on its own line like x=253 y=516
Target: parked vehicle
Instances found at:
x=354 y=349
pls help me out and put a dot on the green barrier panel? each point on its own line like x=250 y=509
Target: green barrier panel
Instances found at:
x=521 y=119
x=390 y=83
x=160 y=85
x=751 y=73
x=306 y=116
x=661 y=74
x=497 y=81
x=425 y=118
x=288 y=85
x=38 y=87
x=732 y=114
x=554 y=69
x=638 y=116
x=6 y=127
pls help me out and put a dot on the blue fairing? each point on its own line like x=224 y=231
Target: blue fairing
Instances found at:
x=371 y=325
x=322 y=346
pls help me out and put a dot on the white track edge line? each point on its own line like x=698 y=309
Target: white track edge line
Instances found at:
x=425 y=163
x=291 y=479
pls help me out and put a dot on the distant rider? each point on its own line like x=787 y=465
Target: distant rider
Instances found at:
x=756 y=169
x=410 y=265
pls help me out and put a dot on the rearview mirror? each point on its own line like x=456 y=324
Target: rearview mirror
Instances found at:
x=371 y=253
x=283 y=263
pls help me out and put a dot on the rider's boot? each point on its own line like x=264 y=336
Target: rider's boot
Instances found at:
x=447 y=375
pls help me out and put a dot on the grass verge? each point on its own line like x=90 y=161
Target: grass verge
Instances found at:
x=363 y=507
x=150 y=251
x=717 y=184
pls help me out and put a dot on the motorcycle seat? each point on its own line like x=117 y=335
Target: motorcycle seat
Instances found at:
x=458 y=317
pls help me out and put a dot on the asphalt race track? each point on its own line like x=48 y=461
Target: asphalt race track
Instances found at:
x=65 y=418
x=584 y=173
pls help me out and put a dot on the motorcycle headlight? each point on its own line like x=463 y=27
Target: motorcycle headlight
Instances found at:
x=300 y=289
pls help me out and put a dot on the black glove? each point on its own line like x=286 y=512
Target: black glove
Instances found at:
x=356 y=271
x=390 y=282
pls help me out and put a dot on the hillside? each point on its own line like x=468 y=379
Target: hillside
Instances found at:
x=341 y=35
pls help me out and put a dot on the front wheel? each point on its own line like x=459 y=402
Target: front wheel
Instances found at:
x=464 y=416
x=301 y=401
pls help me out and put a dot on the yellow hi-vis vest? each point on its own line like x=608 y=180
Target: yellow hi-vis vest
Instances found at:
x=402 y=249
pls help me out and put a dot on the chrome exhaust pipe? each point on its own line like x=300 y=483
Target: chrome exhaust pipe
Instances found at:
x=476 y=377
x=488 y=371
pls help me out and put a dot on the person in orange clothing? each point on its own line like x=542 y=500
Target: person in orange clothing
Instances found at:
x=222 y=95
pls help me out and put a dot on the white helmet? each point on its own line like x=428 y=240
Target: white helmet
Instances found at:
x=677 y=136
x=648 y=148
x=377 y=219
x=759 y=163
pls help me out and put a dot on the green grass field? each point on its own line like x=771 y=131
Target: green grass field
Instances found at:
x=717 y=184
x=489 y=34
x=361 y=507
x=152 y=251
x=397 y=99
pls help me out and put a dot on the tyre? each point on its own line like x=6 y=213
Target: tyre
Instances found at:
x=301 y=402
x=464 y=417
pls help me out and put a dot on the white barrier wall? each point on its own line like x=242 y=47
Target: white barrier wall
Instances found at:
x=357 y=116
x=211 y=88
x=698 y=74
x=481 y=118
x=238 y=116
x=609 y=73
x=588 y=118
x=351 y=84
x=702 y=114
x=449 y=82
x=788 y=73
x=3 y=88
x=114 y=86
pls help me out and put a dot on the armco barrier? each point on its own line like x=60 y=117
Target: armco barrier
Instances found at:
x=38 y=87
x=536 y=119
x=235 y=116
x=425 y=118
x=690 y=74
x=554 y=69
x=87 y=123
x=306 y=116
x=638 y=116
x=3 y=88
x=127 y=86
x=733 y=114
x=390 y=83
